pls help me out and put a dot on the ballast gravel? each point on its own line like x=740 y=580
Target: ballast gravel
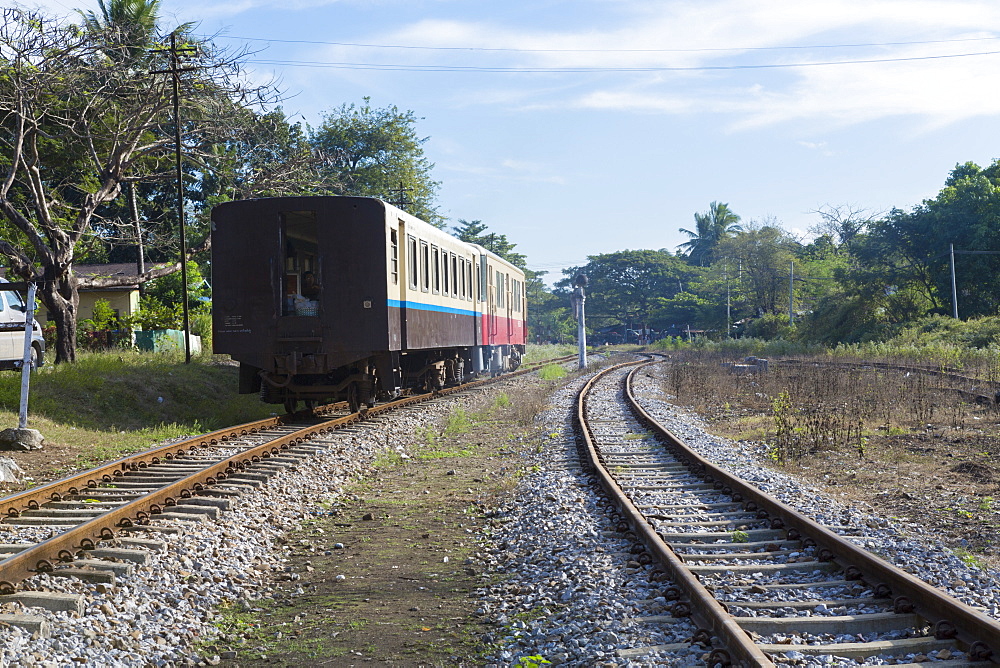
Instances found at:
x=154 y=616
x=568 y=586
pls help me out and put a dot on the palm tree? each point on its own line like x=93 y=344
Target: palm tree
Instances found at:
x=710 y=228
x=130 y=24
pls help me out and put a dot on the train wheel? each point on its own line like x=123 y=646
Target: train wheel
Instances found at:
x=311 y=403
x=353 y=400
x=290 y=405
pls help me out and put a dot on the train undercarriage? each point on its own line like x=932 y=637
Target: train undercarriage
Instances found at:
x=379 y=377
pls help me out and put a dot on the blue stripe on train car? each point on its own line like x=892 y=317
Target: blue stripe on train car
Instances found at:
x=417 y=306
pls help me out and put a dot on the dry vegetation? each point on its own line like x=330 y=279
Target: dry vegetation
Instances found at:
x=914 y=446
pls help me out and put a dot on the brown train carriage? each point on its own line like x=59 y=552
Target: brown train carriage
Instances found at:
x=327 y=298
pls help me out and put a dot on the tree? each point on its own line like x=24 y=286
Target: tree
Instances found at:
x=764 y=252
x=267 y=157
x=909 y=250
x=474 y=232
x=626 y=286
x=711 y=227
x=843 y=224
x=377 y=153
x=169 y=291
x=75 y=126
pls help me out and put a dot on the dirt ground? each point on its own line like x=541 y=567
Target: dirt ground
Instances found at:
x=385 y=576
x=941 y=478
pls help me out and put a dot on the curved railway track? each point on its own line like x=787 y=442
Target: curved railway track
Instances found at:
x=752 y=573
x=196 y=476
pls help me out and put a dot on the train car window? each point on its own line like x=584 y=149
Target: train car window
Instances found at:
x=484 y=280
x=454 y=275
x=500 y=290
x=468 y=268
x=411 y=261
x=425 y=266
x=460 y=278
x=302 y=280
x=436 y=268
x=445 y=274
x=394 y=257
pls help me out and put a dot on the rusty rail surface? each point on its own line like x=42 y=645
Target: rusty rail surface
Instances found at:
x=949 y=616
x=41 y=557
x=706 y=612
x=31 y=499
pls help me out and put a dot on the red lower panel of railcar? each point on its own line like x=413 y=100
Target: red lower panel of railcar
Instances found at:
x=498 y=330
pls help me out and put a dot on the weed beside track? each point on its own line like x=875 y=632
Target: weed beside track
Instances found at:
x=906 y=445
x=387 y=573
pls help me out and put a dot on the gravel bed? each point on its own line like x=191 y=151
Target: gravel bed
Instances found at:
x=154 y=616
x=575 y=632
x=571 y=588
x=907 y=546
x=568 y=587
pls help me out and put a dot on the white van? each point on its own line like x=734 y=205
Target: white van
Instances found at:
x=12 y=309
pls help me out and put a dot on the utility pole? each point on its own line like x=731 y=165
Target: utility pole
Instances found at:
x=791 y=279
x=175 y=71
x=954 y=290
x=579 y=299
x=400 y=193
x=29 y=322
x=729 y=326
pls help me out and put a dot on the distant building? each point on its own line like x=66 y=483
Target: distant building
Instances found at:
x=124 y=300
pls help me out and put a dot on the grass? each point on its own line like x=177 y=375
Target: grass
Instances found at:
x=552 y=372
x=109 y=404
x=547 y=351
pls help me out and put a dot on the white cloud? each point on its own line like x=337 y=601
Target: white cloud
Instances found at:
x=729 y=33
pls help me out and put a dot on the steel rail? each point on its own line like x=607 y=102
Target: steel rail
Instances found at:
x=951 y=618
x=705 y=610
x=31 y=499
x=63 y=547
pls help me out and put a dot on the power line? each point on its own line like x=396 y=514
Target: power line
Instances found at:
x=513 y=50
x=392 y=67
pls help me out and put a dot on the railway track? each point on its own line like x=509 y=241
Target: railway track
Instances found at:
x=58 y=528
x=761 y=583
x=976 y=390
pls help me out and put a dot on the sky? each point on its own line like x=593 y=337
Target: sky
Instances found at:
x=580 y=127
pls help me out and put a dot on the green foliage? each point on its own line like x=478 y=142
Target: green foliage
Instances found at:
x=375 y=152
x=770 y=326
x=103 y=319
x=534 y=661
x=167 y=290
x=474 y=232
x=711 y=227
x=154 y=314
x=535 y=352
x=552 y=372
x=740 y=537
x=628 y=287
x=937 y=330
x=459 y=422
x=784 y=437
